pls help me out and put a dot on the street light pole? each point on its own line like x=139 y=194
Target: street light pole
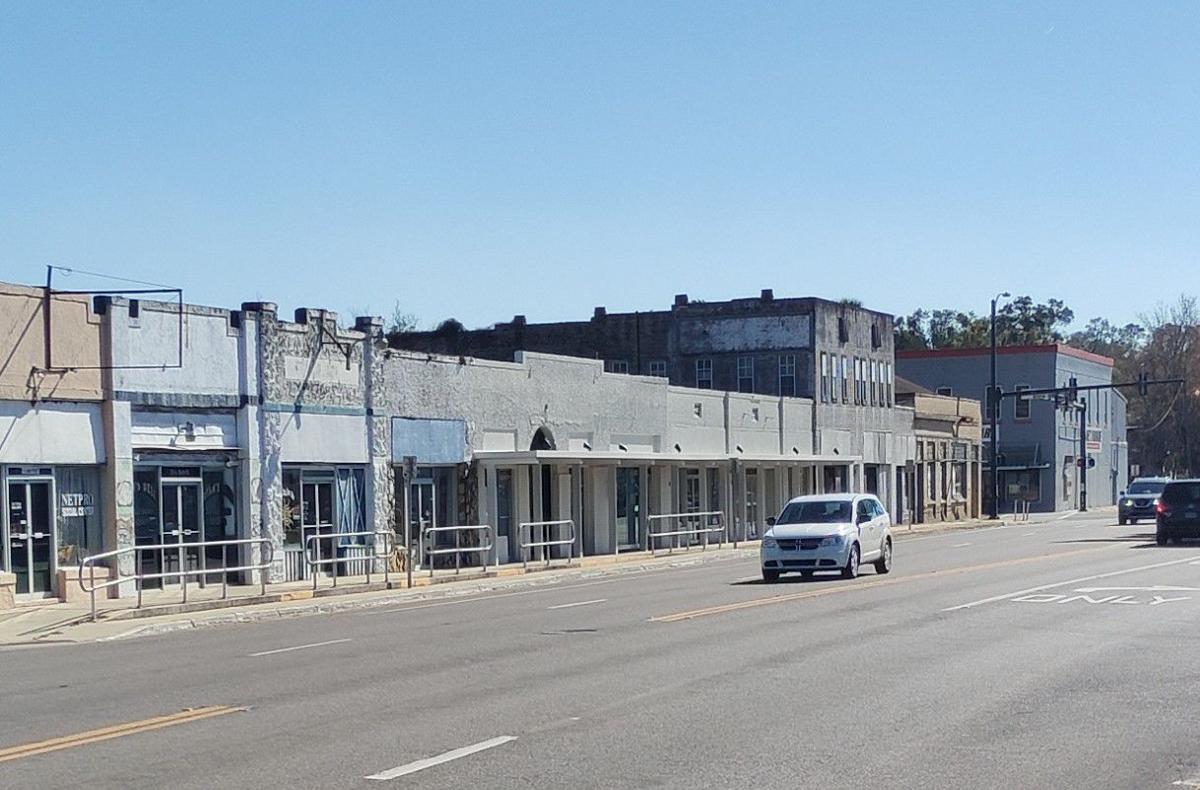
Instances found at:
x=993 y=405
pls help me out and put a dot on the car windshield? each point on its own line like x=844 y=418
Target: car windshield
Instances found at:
x=1147 y=487
x=1181 y=493
x=833 y=511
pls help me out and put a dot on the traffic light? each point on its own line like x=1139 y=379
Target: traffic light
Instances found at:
x=1072 y=391
x=1143 y=384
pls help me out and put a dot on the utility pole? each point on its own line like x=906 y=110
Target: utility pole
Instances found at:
x=1083 y=455
x=993 y=404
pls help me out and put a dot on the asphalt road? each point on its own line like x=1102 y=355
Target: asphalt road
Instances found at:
x=1062 y=655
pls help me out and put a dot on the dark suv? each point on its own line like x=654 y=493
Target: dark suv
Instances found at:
x=1141 y=500
x=1178 y=512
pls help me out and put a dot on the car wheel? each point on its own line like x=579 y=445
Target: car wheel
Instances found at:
x=1122 y=520
x=851 y=569
x=1133 y=521
x=884 y=563
x=770 y=575
x=1160 y=538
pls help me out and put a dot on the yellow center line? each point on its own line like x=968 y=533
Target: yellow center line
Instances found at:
x=114 y=731
x=867 y=585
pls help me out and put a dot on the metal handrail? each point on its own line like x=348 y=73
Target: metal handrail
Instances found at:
x=388 y=538
x=526 y=545
x=720 y=530
x=266 y=547
x=457 y=549
x=1020 y=510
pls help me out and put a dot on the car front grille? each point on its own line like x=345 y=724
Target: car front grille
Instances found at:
x=803 y=544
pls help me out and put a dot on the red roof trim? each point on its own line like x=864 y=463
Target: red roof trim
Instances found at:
x=1006 y=350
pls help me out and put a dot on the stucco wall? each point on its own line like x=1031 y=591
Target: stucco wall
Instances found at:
x=146 y=355
x=51 y=433
x=75 y=346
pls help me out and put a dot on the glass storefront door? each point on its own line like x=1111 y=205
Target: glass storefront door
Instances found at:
x=316 y=515
x=31 y=536
x=422 y=514
x=629 y=507
x=181 y=527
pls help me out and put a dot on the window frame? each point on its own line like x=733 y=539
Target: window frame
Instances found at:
x=704 y=373
x=748 y=363
x=787 y=371
x=1020 y=401
x=824 y=377
x=658 y=364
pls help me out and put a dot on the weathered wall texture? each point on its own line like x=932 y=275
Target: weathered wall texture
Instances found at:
x=71 y=370
x=159 y=362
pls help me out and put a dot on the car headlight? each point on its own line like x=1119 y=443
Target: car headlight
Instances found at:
x=1155 y=502
x=769 y=543
x=1128 y=503
x=832 y=540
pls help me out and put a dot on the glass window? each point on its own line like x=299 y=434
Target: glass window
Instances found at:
x=829 y=511
x=787 y=375
x=745 y=374
x=946 y=391
x=704 y=374
x=291 y=506
x=146 y=513
x=79 y=513
x=871 y=373
x=824 y=378
x=618 y=366
x=845 y=380
x=220 y=504
x=1021 y=408
x=658 y=367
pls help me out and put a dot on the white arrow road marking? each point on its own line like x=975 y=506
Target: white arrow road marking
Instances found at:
x=445 y=757
x=1155 y=588
x=1159 y=599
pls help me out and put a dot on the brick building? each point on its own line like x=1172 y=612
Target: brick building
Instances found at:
x=763 y=345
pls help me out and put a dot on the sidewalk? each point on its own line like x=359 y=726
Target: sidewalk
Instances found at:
x=163 y=611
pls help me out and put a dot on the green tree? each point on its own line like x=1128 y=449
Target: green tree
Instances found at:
x=1165 y=423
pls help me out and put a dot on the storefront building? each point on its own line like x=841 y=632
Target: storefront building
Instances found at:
x=51 y=440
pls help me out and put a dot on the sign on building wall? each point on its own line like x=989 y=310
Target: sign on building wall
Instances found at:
x=431 y=441
x=323 y=371
x=718 y=335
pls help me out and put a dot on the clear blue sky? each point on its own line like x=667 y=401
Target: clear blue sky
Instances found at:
x=483 y=159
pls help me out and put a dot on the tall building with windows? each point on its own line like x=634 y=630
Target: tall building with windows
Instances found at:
x=1038 y=442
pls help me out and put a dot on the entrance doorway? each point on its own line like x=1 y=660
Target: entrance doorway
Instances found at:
x=181 y=528
x=30 y=536
x=422 y=513
x=629 y=509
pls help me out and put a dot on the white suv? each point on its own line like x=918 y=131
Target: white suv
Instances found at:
x=828 y=532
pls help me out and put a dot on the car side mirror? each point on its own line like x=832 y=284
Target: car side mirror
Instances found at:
x=1121 y=494
x=771 y=521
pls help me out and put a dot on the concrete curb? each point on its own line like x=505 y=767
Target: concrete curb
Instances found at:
x=306 y=603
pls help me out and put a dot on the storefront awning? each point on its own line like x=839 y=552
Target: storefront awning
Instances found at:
x=619 y=457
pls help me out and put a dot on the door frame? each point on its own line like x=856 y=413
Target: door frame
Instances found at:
x=619 y=542
x=179 y=483
x=44 y=474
